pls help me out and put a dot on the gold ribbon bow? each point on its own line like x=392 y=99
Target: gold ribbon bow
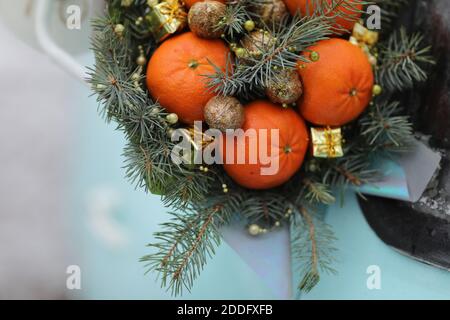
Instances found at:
x=174 y=10
x=166 y=18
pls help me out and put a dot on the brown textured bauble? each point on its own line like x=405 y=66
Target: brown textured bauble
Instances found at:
x=257 y=42
x=224 y=113
x=285 y=88
x=204 y=17
x=270 y=11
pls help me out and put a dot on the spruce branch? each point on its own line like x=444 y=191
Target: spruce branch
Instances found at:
x=385 y=128
x=355 y=169
x=188 y=241
x=129 y=15
x=390 y=10
x=290 y=40
x=235 y=16
x=402 y=61
x=148 y=165
x=144 y=123
x=347 y=10
x=188 y=186
x=316 y=192
x=264 y=207
x=313 y=250
x=111 y=76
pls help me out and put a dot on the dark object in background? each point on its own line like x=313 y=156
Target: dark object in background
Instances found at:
x=422 y=229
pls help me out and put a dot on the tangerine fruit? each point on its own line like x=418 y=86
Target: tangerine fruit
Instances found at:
x=176 y=74
x=341 y=22
x=338 y=86
x=289 y=149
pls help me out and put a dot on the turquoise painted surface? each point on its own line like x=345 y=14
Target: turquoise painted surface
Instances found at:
x=359 y=248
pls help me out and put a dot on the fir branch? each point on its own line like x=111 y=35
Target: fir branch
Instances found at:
x=385 y=129
x=401 y=61
x=290 y=41
x=347 y=10
x=187 y=187
x=390 y=10
x=242 y=77
x=111 y=75
x=148 y=162
x=148 y=165
x=188 y=241
x=144 y=123
x=316 y=192
x=355 y=169
x=235 y=16
x=313 y=250
x=264 y=207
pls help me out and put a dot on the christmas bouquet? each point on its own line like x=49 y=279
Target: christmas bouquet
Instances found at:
x=259 y=110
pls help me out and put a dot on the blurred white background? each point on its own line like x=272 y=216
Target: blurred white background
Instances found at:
x=35 y=140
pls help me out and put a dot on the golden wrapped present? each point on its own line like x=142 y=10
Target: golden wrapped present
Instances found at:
x=364 y=35
x=197 y=139
x=166 y=17
x=327 y=142
x=366 y=39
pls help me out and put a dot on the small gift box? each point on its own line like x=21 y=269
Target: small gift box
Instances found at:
x=362 y=34
x=166 y=17
x=327 y=142
x=366 y=39
x=197 y=140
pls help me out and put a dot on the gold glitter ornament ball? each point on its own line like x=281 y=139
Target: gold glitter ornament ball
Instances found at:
x=270 y=11
x=256 y=42
x=224 y=113
x=204 y=19
x=285 y=88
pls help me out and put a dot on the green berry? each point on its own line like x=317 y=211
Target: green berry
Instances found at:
x=249 y=25
x=254 y=230
x=377 y=90
x=240 y=52
x=314 y=56
x=119 y=29
x=172 y=118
